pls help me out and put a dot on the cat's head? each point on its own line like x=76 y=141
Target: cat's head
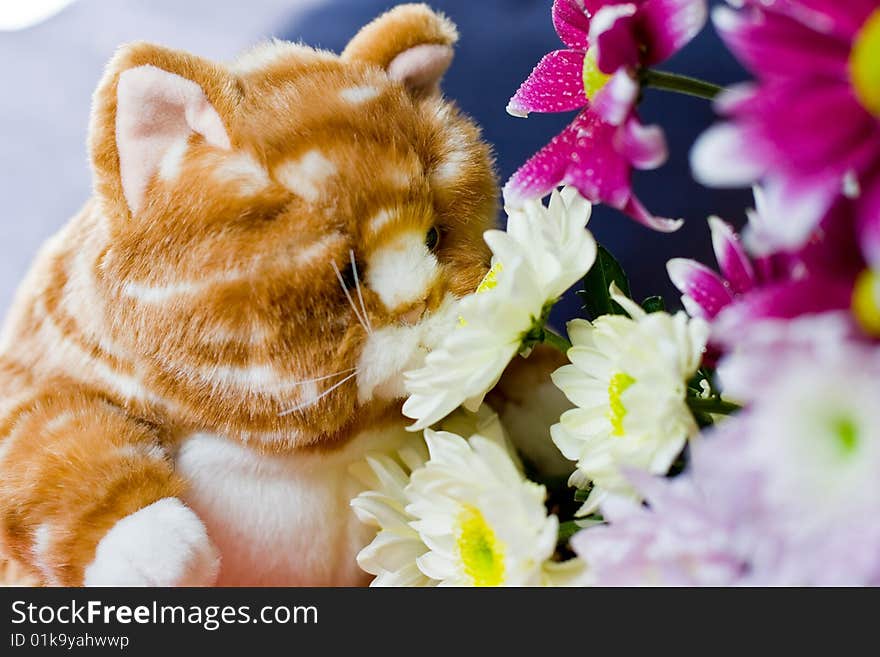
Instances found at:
x=286 y=229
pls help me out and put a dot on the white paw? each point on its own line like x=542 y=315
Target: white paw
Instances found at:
x=164 y=544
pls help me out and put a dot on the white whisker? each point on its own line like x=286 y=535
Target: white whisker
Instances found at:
x=357 y=284
x=323 y=378
x=319 y=397
x=348 y=296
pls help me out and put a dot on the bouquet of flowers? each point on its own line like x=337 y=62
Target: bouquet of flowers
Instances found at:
x=732 y=443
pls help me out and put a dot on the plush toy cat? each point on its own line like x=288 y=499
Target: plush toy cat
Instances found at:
x=196 y=358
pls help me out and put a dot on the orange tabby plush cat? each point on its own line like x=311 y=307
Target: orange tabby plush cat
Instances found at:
x=196 y=358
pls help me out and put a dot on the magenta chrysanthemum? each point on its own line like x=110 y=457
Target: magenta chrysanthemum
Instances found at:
x=817 y=278
x=609 y=43
x=809 y=127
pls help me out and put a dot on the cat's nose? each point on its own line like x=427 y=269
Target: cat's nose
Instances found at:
x=414 y=314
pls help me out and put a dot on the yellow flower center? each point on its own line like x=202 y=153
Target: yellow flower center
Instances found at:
x=490 y=280
x=864 y=64
x=847 y=434
x=482 y=555
x=616 y=410
x=594 y=79
x=866 y=302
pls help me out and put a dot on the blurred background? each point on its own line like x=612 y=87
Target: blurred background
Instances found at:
x=52 y=53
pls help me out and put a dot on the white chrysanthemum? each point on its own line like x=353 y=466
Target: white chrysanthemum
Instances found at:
x=628 y=379
x=484 y=524
x=544 y=252
x=466 y=517
x=392 y=554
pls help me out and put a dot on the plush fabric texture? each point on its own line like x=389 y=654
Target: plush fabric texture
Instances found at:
x=219 y=284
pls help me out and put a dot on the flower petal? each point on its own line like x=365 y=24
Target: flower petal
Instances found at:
x=731 y=256
x=868 y=222
x=571 y=23
x=771 y=44
x=668 y=25
x=721 y=158
x=637 y=211
x=644 y=146
x=600 y=173
x=582 y=155
x=706 y=288
x=613 y=32
x=829 y=135
x=555 y=85
x=787 y=300
x=692 y=308
x=842 y=19
x=543 y=172
x=634 y=310
x=615 y=101
x=790 y=213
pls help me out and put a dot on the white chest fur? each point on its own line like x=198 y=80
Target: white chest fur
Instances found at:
x=281 y=520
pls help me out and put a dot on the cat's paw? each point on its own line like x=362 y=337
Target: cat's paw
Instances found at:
x=164 y=544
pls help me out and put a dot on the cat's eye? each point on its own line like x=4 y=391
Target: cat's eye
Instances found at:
x=432 y=239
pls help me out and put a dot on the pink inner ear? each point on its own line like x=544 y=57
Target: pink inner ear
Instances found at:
x=421 y=67
x=155 y=109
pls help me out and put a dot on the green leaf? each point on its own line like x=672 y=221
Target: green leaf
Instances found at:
x=597 y=300
x=581 y=494
x=567 y=530
x=654 y=304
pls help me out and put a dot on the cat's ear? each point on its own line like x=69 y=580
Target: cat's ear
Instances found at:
x=411 y=42
x=150 y=101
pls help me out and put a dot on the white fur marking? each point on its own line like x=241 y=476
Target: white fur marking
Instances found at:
x=5 y=446
x=243 y=170
x=264 y=379
x=403 y=271
x=305 y=176
x=160 y=293
x=69 y=357
x=146 y=293
x=455 y=158
x=253 y=334
x=400 y=178
x=361 y=94
x=138 y=452
x=449 y=171
x=380 y=220
x=253 y=378
x=59 y=422
x=317 y=250
x=43 y=538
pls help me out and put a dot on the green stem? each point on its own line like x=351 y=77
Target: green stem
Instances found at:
x=713 y=405
x=556 y=341
x=681 y=84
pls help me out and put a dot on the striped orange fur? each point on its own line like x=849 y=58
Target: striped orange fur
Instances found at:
x=202 y=297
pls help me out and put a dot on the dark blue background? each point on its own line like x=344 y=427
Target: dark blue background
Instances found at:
x=501 y=41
